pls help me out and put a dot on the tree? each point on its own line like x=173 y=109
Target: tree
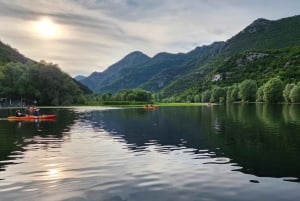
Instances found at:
x=287 y=92
x=260 y=94
x=295 y=93
x=273 y=90
x=234 y=96
x=247 y=90
x=197 y=98
x=232 y=93
x=39 y=81
x=218 y=94
x=141 y=95
x=130 y=97
x=107 y=97
x=206 y=96
x=189 y=98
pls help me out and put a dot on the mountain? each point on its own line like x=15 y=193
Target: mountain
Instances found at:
x=137 y=75
x=197 y=57
x=148 y=73
x=261 y=35
x=79 y=77
x=260 y=65
x=265 y=34
x=173 y=74
x=99 y=80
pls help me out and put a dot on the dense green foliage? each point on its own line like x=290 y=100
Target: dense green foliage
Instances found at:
x=260 y=94
x=295 y=94
x=273 y=90
x=206 y=96
x=8 y=54
x=232 y=93
x=24 y=81
x=287 y=92
x=43 y=82
x=123 y=97
x=218 y=94
x=261 y=66
x=247 y=90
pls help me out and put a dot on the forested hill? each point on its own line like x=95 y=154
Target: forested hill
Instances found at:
x=265 y=34
x=8 y=54
x=261 y=35
x=148 y=73
x=174 y=74
x=99 y=80
x=23 y=78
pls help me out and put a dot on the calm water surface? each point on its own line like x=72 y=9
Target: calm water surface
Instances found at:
x=237 y=152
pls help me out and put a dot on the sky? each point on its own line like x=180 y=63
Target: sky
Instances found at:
x=83 y=36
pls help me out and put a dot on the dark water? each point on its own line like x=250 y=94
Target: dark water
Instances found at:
x=237 y=152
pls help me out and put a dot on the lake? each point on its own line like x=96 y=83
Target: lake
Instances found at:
x=231 y=152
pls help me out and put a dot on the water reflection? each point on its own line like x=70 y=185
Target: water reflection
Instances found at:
x=225 y=153
x=261 y=140
x=17 y=136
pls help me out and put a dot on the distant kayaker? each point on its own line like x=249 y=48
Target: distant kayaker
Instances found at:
x=36 y=111
x=19 y=114
x=29 y=110
x=33 y=111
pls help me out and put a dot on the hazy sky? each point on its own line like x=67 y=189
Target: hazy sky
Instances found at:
x=83 y=36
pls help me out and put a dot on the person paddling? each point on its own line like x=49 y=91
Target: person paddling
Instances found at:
x=19 y=114
x=36 y=111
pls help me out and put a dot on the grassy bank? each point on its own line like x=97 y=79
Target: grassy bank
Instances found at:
x=120 y=104
x=179 y=104
x=141 y=104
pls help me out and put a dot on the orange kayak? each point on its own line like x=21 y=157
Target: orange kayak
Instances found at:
x=150 y=107
x=32 y=117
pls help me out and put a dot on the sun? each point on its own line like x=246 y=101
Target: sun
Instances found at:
x=46 y=28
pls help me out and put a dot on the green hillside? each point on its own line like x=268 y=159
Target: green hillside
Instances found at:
x=98 y=81
x=260 y=35
x=23 y=78
x=8 y=54
x=151 y=74
x=197 y=57
x=261 y=66
x=175 y=74
x=265 y=34
x=137 y=75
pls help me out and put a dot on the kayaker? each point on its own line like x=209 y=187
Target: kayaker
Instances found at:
x=36 y=111
x=29 y=110
x=19 y=114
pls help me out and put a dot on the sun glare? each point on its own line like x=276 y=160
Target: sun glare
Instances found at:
x=46 y=28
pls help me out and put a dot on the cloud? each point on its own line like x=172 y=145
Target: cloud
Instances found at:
x=97 y=33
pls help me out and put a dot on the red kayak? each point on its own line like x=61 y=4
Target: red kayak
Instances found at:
x=32 y=117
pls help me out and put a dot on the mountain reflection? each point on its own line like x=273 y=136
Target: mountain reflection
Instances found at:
x=168 y=127
x=262 y=140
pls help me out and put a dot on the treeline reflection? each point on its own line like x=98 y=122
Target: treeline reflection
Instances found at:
x=263 y=140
